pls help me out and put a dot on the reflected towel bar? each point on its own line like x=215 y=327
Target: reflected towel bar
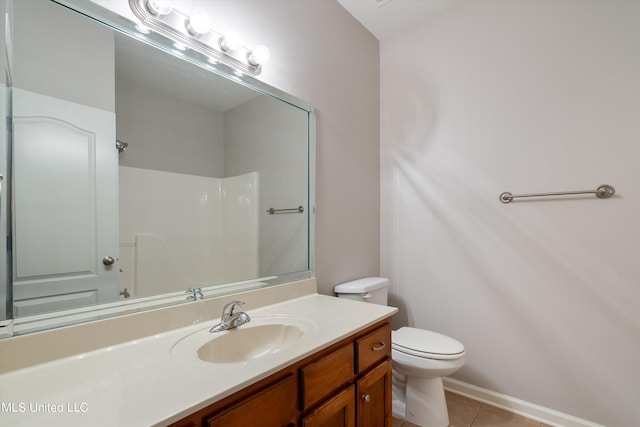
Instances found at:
x=272 y=211
x=603 y=192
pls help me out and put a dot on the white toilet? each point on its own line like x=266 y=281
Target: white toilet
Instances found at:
x=420 y=359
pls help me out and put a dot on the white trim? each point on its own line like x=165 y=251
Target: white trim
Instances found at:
x=517 y=406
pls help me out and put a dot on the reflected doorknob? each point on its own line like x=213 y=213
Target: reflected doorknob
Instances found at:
x=108 y=260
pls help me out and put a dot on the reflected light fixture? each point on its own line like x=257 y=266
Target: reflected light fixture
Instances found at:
x=194 y=32
x=142 y=29
x=181 y=47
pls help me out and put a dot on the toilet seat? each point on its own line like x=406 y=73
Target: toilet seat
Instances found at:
x=426 y=344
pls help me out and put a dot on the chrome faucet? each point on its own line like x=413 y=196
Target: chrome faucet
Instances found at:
x=229 y=319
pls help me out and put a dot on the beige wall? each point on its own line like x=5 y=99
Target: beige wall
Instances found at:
x=320 y=53
x=523 y=96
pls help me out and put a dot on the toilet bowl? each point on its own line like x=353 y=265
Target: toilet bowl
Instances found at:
x=420 y=359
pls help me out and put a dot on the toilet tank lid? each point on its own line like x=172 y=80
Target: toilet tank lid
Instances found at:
x=366 y=284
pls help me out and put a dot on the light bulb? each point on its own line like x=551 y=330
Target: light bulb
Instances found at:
x=198 y=23
x=180 y=46
x=259 y=55
x=142 y=29
x=159 y=7
x=230 y=42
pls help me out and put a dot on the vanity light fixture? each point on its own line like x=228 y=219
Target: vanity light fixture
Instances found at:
x=194 y=32
x=198 y=23
x=230 y=42
x=259 y=55
x=159 y=7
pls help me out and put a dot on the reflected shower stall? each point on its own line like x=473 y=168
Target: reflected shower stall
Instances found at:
x=209 y=236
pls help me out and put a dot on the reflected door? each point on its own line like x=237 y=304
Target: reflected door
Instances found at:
x=65 y=205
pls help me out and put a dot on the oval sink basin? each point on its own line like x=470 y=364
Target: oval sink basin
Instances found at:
x=250 y=343
x=263 y=336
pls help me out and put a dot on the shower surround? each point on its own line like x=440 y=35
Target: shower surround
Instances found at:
x=212 y=236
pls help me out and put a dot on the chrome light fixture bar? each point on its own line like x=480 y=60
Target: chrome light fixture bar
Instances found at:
x=194 y=32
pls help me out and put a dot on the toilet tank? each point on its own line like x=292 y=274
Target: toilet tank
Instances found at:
x=367 y=289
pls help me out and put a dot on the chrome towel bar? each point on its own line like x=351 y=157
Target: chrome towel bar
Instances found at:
x=603 y=192
x=272 y=211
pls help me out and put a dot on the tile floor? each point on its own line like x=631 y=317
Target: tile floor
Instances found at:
x=465 y=412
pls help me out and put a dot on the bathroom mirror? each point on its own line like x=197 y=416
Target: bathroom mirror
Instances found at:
x=140 y=170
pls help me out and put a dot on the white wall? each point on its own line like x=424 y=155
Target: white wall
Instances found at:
x=168 y=134
x=4 y=52
x=62 y=64
x=4 y=212
x=275 y=145
x=522 y=96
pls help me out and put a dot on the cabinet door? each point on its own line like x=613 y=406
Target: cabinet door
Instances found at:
x=374 y=397
x=339 y=411
x=273 y=407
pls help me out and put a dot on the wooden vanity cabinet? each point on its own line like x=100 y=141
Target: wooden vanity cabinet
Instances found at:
x=337 y=411
x=324 y=376
x=373 y=387
x=345 y=385
x=273 y=406
x=373 y=397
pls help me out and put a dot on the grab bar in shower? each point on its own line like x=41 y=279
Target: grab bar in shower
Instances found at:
x=272 y=211
x=603 y=192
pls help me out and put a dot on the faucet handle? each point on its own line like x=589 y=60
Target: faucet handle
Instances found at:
x=196 y=293
x=230 y=306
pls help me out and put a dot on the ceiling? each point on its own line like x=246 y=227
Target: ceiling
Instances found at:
x=153 y=68
x=385 y=18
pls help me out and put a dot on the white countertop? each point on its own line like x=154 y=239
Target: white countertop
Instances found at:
x=145 y=383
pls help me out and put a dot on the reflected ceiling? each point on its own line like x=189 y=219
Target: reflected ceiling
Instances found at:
x=152 y=68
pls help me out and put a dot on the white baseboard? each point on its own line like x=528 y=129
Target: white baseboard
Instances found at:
x=517 y=406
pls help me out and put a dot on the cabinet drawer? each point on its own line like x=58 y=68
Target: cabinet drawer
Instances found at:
x=326 y=375
x=373 y=347
x=273 y=406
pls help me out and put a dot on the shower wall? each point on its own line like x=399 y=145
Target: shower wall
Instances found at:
x=179 y=231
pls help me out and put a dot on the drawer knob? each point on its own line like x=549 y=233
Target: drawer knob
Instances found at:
x=379 y=347
x=366 y=398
